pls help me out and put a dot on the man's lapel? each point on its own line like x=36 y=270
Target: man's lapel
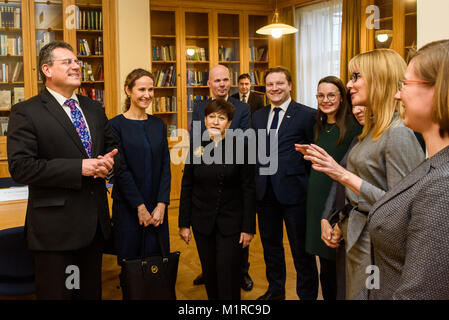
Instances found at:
x=59 y=114
x=288 y=118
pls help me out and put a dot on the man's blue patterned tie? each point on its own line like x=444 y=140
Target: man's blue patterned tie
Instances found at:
x=80 y=125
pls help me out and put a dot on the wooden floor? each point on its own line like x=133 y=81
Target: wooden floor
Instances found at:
x=189 y=268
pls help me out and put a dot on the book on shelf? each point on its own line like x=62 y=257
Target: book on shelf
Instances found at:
x=225 y=54
x=199 y=54
x=166 y=78
x=98 y=45
x=172 y=131
x=164 y=104
x=4 y=72
x=89 y=20
x=4 y=125
x=10 y=16
x=17 y=71
x=164 y=53
x=197 y=78
x=44 y=38
x=19 y=94
x=194 y=99
x=95 y=94
x=5 y=99
x=12 y=45
x=259 y=54
x=86 y=72
x=257 y=77
x=100 y=73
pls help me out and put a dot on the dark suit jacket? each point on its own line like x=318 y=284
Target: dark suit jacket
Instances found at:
x=221 y=195
x=129 y=180
x=239 y=121
x=46 y=153
x=254 y=100
x=291 y=178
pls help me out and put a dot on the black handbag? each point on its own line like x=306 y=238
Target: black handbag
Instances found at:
x=150 y=278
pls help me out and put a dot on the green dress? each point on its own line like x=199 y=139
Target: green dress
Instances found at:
x=320 y=185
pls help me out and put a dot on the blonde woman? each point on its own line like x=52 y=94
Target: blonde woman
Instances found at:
x=409 y=225
x=386 y=152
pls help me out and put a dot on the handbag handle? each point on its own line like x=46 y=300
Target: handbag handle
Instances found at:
x=159 y=236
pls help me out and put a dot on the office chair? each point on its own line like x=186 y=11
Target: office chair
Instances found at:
x=16 y=264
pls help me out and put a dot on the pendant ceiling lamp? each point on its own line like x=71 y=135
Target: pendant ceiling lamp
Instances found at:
x=276 y=29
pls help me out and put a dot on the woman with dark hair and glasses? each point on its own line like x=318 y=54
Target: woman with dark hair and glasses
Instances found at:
x=334 y=131
x=409 y=225
x=218 y=201
x=386 y=152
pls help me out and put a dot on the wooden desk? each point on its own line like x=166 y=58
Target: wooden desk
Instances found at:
x=12 y=213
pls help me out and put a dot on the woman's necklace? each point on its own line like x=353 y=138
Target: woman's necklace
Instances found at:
x=328 y=128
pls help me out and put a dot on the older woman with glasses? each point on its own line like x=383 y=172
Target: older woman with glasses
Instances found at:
x=409 y=225
x=334 y=131
x=386 y=152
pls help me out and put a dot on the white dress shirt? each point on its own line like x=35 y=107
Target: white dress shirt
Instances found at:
x=61 y=100
x=283 y=107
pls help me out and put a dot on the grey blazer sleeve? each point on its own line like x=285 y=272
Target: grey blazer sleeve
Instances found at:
x=425 y=273
x=402 y=154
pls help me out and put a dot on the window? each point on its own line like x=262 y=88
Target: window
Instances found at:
x=318 y=41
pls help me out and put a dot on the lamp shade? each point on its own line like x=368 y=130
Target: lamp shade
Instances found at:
x=277 y=29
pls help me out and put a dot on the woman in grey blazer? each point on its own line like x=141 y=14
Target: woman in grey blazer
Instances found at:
x=386 y=152
x=409 y=225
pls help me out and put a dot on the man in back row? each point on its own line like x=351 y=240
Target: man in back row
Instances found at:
x=254 y=100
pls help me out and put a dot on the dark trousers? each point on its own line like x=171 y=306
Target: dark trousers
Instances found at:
x=220 y=257
x=271 y=216
x=328 y=278
x=52 y=277
x=245 y=261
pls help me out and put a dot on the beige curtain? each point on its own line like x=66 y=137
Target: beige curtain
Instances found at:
x=350 y=35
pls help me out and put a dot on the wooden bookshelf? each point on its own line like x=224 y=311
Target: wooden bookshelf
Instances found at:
x=43 y=21
x=398 y=19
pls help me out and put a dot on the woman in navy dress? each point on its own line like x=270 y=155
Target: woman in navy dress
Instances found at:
x=141 y=191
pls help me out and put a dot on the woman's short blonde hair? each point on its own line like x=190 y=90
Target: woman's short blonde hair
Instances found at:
x=431 y=63
x=381 y=69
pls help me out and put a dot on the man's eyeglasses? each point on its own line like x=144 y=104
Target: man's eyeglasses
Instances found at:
x=331 y=97
x=403 y=83
x=68 y=62
x=355 y=76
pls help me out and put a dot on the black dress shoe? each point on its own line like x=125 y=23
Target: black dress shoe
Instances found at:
x=270 y=296
x=247 y=282
x=199 y=280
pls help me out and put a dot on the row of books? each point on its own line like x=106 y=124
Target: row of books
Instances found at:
x=196 y=54
x=96 y=47
x=43 y=38
x=226 y=54
x=193 y=99
x=164 y=53
x=233 y=77
x=95 y=94
x=257 y=77
x=259 y=53
x=89 y=20
x=4 y=125
x=166 y=78
x=5 y=70
x=10 y=97
x=164 y=104
x=12 y=45
x=10 y=16
x=197 y=78
x=87 y=73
